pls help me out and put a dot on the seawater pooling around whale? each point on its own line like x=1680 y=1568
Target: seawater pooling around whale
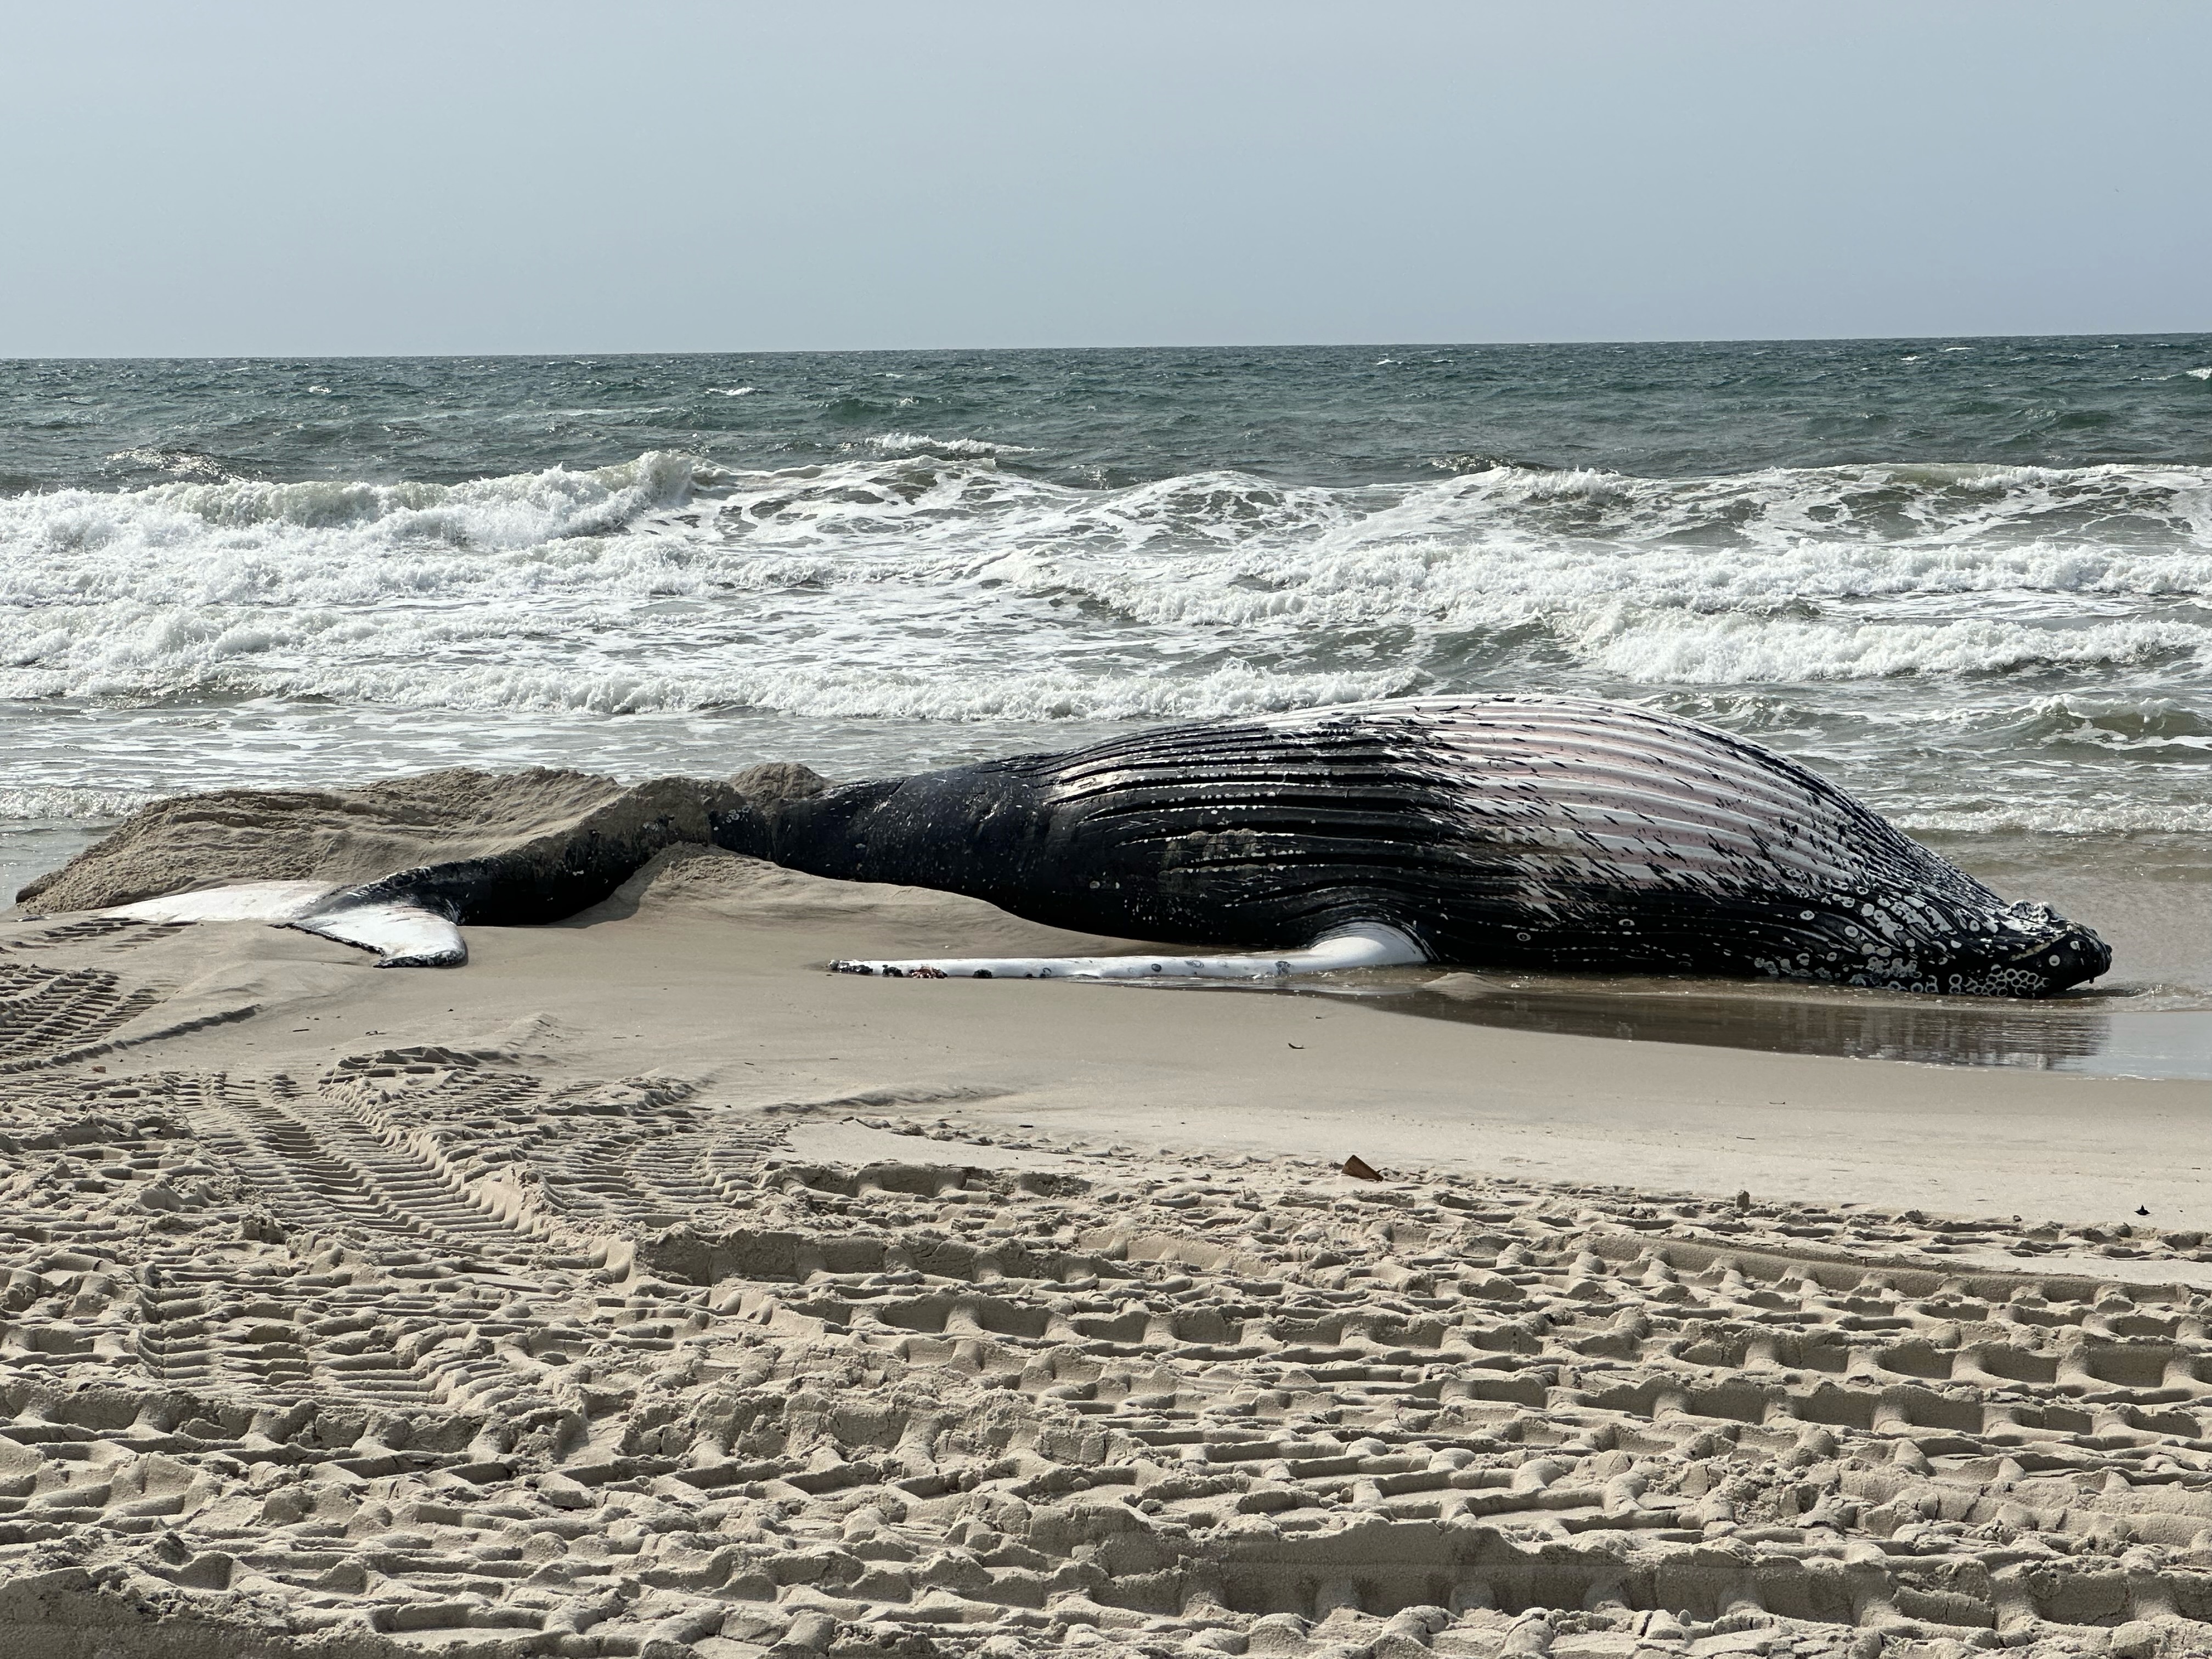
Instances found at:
x=2093 y=1034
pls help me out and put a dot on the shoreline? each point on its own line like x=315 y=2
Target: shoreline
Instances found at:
x=717 y=963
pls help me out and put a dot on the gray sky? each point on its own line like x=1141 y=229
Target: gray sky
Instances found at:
x=218 y=179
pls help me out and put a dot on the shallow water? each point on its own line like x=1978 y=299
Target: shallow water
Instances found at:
x=1970 y=580
x=2096 y=1035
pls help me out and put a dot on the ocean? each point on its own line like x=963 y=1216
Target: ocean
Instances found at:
x=1970 y=580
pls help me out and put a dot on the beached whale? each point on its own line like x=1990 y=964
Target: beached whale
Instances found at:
x=1540 y=833
x=1522 y=832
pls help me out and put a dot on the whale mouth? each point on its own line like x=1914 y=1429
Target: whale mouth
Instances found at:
x=2071 y=956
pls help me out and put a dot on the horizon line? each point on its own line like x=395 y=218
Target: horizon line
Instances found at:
x=1281 y=345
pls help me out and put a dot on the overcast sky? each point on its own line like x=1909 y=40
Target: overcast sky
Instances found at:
x=218 y=179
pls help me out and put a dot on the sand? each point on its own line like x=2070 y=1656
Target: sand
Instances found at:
x=640 y=1289
x=514 y=848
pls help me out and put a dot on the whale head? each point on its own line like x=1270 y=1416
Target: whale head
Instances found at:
x=2027 y=949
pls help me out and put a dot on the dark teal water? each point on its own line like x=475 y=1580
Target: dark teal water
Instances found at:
x=1302 y=415
x=1968 y=579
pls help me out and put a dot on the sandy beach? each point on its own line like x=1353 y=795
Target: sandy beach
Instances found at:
x=1160 y=831
x=642 y=1289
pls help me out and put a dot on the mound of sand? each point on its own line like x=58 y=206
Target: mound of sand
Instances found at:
x=709 y=881
x=496 y=847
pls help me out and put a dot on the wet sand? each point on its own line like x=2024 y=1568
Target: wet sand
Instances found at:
x=640 y=1289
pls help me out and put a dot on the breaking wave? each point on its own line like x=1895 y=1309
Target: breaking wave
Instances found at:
x=920 y=443
x=667 y=582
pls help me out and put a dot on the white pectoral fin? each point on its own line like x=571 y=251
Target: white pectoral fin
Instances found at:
x=402 y=935
x=1362 y=944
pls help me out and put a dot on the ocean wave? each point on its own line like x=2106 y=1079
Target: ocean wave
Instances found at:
x=873 y=693
x=1927 y=508
x=1358 y=579
x=62 y=802
x=1736 y=650
x=1896 y=528
x=178 y=463
x=653 y=583
x=993 y=638
x=169 y=525
x=1907 y=521
x=894 y=577
x=2131 y=725
x=2039 y=816
x=917 y=443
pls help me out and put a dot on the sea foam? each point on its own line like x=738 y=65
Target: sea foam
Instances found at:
x=1972 y=646
x=657 y=583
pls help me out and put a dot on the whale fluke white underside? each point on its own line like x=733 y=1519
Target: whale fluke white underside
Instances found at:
x=401 y=935
x=1363 y=944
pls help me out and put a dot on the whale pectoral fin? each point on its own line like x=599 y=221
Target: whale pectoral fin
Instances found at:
x=403 y=935
x=1362 y=944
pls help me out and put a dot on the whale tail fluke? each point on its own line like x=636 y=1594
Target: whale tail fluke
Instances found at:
x=1362 y=944
x=402 y=935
